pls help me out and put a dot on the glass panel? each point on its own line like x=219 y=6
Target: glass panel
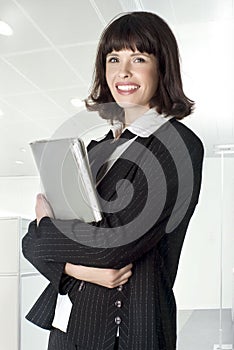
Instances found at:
x=205 y=281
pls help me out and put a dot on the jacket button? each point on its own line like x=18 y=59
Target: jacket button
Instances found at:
x=118 y=303
x=118 y=320
x=120 y=288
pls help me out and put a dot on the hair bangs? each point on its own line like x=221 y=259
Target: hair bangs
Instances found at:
x=127 y=36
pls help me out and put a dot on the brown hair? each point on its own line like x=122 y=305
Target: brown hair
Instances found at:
x=146 y=32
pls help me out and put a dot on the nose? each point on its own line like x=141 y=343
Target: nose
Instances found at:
x=124 y=71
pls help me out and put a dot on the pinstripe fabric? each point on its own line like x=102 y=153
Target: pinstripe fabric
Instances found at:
x=148 y=310
x=60 y=341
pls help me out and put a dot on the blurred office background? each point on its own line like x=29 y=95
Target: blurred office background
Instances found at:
x=46 y=70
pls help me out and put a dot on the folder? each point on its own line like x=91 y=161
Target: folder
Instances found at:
x=66 y=178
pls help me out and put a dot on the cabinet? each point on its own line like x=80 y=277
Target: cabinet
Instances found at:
x=20 y=286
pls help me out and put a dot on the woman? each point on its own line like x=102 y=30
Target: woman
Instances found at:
x=136 y=247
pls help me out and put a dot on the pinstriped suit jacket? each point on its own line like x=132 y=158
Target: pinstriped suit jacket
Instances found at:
x=148 y=309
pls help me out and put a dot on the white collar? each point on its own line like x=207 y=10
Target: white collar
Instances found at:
x=143 y=126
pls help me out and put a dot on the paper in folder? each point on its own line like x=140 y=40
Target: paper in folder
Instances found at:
x=66 y=178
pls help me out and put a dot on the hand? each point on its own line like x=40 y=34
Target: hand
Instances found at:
x=109 y=278
x=43 y=208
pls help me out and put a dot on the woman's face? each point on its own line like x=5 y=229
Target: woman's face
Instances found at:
x=131 y=77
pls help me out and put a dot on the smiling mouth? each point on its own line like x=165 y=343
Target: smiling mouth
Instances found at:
x=127 y=87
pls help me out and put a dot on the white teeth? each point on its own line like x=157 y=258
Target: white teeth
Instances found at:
x=127 y=87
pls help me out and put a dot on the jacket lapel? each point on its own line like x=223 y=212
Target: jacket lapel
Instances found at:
x=124 y=168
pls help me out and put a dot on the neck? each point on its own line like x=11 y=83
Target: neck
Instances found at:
x=133 y=113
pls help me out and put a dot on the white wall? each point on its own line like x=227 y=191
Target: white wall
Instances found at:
x=197 y=284
x=17 y=195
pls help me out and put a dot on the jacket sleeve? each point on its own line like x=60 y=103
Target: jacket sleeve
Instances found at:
x=56 y=242
x=52 y=271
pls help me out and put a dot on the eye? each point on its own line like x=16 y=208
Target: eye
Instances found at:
x=112 y=59
x=139 y=60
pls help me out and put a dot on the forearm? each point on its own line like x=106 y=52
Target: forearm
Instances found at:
x=81 y=272
x=109 y=278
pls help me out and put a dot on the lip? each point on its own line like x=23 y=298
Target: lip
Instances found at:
x=127 y=90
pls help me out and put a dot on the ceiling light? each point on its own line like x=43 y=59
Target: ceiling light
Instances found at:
x=5 y=29
x=1 y=113
x=23 y=149
x=19 y=162
x=76 y=102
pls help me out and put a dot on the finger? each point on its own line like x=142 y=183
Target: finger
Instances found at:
x=126 y=268
x=119 y=274
x=40 y=196
x=124 y=277
x=123 y=282
x=124 y=272
x=43 y=207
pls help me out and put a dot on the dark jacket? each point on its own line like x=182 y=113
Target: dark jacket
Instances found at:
x=164 y=169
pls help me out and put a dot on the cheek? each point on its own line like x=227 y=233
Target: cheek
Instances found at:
x=108 y=80
x=153 y=76
x=109 y=76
